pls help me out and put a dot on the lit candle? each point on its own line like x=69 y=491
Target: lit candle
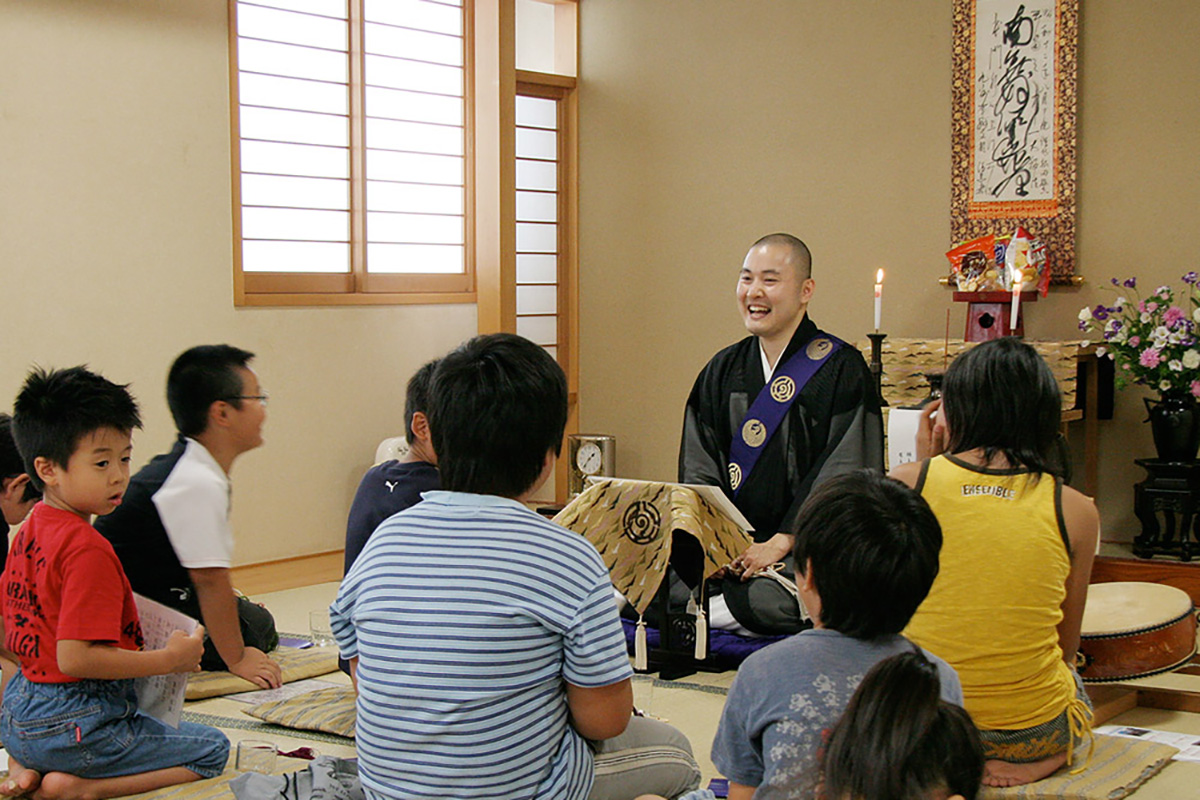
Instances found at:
x=1016 y=304
x=878 y=298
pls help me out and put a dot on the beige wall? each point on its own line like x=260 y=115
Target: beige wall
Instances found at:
x=115 y=250
x=707 y=123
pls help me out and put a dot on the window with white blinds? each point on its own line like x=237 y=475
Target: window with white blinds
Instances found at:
x=352 y=166
x=539 y=227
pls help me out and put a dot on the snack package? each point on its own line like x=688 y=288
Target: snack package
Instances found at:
x=974 y=265
x=1025 y=262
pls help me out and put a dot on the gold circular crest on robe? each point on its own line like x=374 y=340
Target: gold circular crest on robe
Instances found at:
x=782 y=389
x=818 y=348
x=735 y=475
x=754 y=432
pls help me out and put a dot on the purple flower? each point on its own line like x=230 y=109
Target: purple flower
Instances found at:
x=1131 y=283
x=1083 y=326
x=1149 y=357
x=1191 y=278
x=1101 y=313
x=1117 y=324
x=1173 y=316
x=1114 y=281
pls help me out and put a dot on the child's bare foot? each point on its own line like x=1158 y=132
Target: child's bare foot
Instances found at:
x=20 y=781
x=1006 y=773
x=57 y=785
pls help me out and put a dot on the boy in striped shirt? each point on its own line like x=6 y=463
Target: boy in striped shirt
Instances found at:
x=484 y=641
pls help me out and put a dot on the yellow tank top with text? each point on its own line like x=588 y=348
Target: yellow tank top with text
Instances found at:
x=994 y=609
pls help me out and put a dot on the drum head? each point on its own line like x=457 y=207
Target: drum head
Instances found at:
x=1127 y=606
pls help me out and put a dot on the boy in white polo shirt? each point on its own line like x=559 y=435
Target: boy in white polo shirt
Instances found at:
x=172 y=533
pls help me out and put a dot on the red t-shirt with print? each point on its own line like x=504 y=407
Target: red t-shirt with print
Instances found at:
x=63 y=581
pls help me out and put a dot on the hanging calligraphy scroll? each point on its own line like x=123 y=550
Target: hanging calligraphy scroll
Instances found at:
x=1013 y=120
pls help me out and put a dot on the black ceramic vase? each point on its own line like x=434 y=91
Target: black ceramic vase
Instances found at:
x=1175 y=422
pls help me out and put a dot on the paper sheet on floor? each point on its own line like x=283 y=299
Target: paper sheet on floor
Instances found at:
x=285 y=692
x=1188 y=743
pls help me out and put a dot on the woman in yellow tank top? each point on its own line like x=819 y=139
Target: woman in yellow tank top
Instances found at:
x=1006 y=607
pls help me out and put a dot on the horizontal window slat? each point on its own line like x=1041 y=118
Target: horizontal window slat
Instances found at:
x=306 y=160
x=537 y=175
x=533 y=237
x=534 y=143
x=413 y=106
x=537 y=112
x=325 y=8
x=277 y=190
x=414 y=228
x=291 y=28
x=294 y=61
x=420 y=76
x=537 y=268
x=383 y=196
x=298 y=127
x=414 y=137
x=293 y=93
x=539 y=330
x=537 y=300
x=418 y=14
x=258 y=256
x=435 y=48
x=412 y=168
x=537 y=207
x=408 y=258
x=295 y=224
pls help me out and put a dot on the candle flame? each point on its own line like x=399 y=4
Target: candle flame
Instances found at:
x=879 y=276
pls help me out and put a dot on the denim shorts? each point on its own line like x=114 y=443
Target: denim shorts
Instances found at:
x=92 y=729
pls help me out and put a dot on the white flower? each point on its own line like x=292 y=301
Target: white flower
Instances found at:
x=1191 y=359
x=1175 y=365
x=1164 y=386
x=1196 y=315
x=1100 y=351
x=1145 y=317
x=1085 y=314
x=1161 y=332
x=1120 y=301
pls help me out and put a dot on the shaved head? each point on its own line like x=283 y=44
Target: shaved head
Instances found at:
x=798 y=252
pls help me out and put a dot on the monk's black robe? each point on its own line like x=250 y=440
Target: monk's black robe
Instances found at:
x=833 y=426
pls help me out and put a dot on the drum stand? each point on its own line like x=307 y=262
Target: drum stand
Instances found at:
x=1170 y=492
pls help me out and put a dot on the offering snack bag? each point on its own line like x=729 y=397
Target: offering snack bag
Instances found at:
x=1025 y=262
x=974 y=266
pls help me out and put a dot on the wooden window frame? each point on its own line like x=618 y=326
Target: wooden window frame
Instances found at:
x=359 y=287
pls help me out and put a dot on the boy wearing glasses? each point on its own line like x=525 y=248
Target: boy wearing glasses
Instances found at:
x=172 y=531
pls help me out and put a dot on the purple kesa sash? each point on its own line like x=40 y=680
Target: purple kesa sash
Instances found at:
x=772 y=404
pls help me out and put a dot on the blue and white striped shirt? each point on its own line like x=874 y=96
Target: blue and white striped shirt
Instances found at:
x=467 y=614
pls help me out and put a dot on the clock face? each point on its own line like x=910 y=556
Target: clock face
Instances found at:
x=589 y=458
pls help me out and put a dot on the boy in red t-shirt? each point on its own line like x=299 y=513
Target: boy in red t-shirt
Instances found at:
x=69 y=720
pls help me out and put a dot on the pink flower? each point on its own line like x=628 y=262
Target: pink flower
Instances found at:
x=1149 y=357
x=1134 y=341
x=1196 y=388
x=1173 y=315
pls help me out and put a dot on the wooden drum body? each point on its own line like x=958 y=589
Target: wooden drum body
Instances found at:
x=1131 y=630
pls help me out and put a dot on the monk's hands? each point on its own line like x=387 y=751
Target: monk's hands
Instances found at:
x=932 y=437
x=258 y=669
x=761 y=555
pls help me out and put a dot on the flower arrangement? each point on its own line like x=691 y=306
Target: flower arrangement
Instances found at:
x=1154 y=341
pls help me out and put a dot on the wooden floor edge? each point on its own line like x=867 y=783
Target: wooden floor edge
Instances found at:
x=288 y=573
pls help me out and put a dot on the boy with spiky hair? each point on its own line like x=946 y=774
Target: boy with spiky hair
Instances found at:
x=69 y=718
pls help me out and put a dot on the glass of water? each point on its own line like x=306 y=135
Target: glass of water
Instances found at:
x=320 y=628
